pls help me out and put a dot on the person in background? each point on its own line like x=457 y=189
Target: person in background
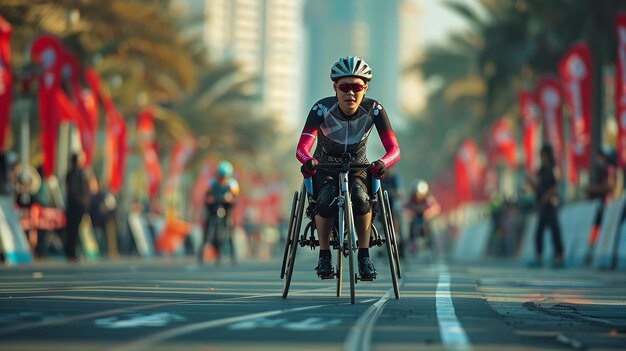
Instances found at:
x=78 y=190
x=421 y=206
x=222 y=194
x=547 y=197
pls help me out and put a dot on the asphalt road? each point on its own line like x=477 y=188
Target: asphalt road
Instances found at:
x=174 y=304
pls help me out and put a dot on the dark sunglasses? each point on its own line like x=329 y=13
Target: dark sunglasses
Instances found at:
x=346 y=87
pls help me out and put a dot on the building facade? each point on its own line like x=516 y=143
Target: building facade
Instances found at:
x=265 y=37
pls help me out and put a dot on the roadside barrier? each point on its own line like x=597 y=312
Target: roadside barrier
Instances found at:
x=605 y=250
x=620 y=254
x=473 y=240
x=577 y=220
x=141 y=234
x=12 y=239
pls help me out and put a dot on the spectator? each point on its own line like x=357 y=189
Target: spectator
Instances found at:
x=547 y=197
x=78 y=200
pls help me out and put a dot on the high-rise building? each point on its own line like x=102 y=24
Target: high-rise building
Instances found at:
x=265 y=37
x=384 y=33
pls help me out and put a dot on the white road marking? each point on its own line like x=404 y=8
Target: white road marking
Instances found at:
x=312 y=324
x=360 y=336
x=70 y=319
x=452 y=334
x=154 y=339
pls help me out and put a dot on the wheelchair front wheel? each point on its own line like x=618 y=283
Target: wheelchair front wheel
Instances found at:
x=292 y=241
x=389 y=247
x=394 y=238
x=351 y=244
x=288 y=242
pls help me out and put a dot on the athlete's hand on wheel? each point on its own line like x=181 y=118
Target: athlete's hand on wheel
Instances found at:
x=308 y=169
x=377 y=169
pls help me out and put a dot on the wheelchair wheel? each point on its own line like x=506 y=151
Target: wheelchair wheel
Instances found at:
x=292 y=241
x=288 y=243
x=394 y=238
x=389 y=245
x=338 y=275
x=350 y=245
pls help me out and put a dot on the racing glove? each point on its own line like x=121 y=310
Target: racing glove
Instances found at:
x=377 y=169
x=308 y=168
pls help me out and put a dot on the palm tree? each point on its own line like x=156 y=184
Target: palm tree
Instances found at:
x=479 y=72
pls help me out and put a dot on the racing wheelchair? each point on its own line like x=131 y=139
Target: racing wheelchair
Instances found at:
x=343 y=237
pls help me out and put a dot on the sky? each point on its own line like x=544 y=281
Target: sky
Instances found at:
x=437 y=20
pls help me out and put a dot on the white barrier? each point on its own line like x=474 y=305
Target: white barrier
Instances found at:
x=621 y=248
x=610 y=228
x=141 y=234
x=527 y=249
x=12 y=239
x=473 y=241
x=577 y=221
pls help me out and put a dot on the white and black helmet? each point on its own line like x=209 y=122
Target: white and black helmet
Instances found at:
x=419 y=187
x=351 y=66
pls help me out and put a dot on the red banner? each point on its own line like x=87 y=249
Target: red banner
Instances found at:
x=179 y=157
x=72 y=71
x=550 y=103
x=575 y=73
x=620 y=89
x=115 y=133
x=116 y=147
x=530 y=123
x=5 y=80
x=45 y=52
x=501 y=143
x=146 y=140
x=468 y=172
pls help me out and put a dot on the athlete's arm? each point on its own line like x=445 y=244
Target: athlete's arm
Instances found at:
x=308 y=135
x=387 y=136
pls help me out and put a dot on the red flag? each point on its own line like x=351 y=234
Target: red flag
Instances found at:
x=501 y=143
x=90 y=100
x=199 y=188
x=465 y=170
x=180 y=155
x=550 y=103
x=530 y=123
x=575 y=73
x=115 y=135
x=116 y=147
x=5 y=80
x=620 y=89
x=72 y=70
x=145 y=137
x=550 y=100
x=45 y=51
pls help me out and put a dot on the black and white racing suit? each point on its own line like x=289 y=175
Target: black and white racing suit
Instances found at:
x=337 y=134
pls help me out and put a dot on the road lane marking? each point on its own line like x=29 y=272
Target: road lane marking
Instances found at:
x=45 y=323
x=154 y=339
x=360 y=336
x=452 y=334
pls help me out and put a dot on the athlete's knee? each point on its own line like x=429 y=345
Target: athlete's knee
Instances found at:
x=360 y=201
x=326 y=204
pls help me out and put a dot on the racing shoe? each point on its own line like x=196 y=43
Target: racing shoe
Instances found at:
x=366 y=269
x=324 y=268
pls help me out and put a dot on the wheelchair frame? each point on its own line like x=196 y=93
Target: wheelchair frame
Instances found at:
x=346 y=243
